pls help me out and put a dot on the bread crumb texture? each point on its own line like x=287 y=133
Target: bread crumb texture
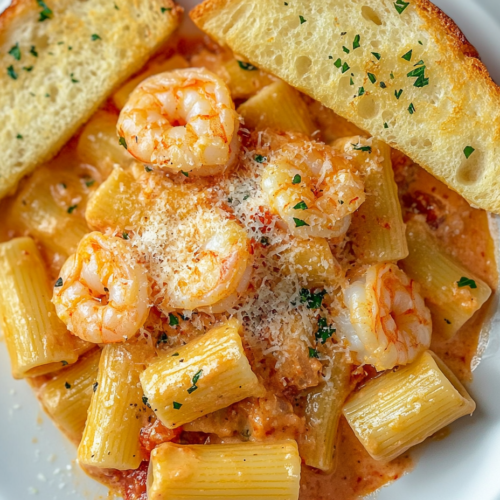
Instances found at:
x=401 y=70
x=59 y=59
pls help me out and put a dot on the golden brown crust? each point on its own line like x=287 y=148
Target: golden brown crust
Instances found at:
x=204 y=8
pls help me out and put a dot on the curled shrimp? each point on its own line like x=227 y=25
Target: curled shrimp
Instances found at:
x=390 y=323
x=183 y=120
x=218 y=270
x=312 y=188
x=102 y=294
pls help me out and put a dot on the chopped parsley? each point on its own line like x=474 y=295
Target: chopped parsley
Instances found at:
x=95 y=37
x=297 y=179
x=383 y=85
x=361 y=91
x=125 y=235
x=173 y=320
x=260 y=158
x=63 y=185
x=73 y=79
x=313 y=300
x=176 y=405
x=419 y=73
x=166 y=9
x=123 y=143
x=407 y=56
x=145 y=401
x=376 y=55
x=72 y=208
x=146 y=168
x=345 y=68
x=175 y=354
x=324 y=331
x=300 y=222
x=197 y=376
x=11 y=72
x=466 y=282
x=398 y=93
x=247 y=66
x=420 y=42
x=185 y=174
x=116 y=7
x=264 y=241
x=352 y=81
x=192 y=389
x=67 y=385
x=89 y=182
x=64 y=363
x=386 y=125
x=300 y=206
x=338 y=63
x=468 y=151
x=358 y=147
x=420 y=63
x=46 y=13
x=392 y=75
x=15 y=52
x=411 y=109
x=313 y=353
x=28 y=68
x=302 y=20
x=372 y=77
x=400 y=6
x=19 y=136
x=162 y=339
x=33 y=51
x=355 y=44
x=94 y=387
x=346 y=50
x=447 y=321
x=58 y=283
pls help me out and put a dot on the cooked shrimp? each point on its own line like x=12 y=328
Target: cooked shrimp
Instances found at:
x=183 y=120
x=102 y=294
x=313 y=189
x=390 y=323
x=216 y=270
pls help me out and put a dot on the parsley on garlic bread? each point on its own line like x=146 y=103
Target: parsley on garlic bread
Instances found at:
x=401 y=70
x=59 y=59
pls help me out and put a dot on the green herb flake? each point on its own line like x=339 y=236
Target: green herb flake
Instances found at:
x=416 y=72
x=392 y=75
x=264 y=241
x=28 y=68
x=286 y=3
x=89 y=182
x=398 y=93
x=400 y=6
x=197 y=376
x=352 y=81
x=372 y=77
x=162 y=339
x=247 y=66
x=420 y=43
x=300 y=222
x=386 y=125
x=376 y=55
x=297 y=179
x=176 y=405
x=116 y=7
x=46 y=13
x=64 y=363
x=463 y=282
x=146 y=168
x=175 y=354
x=33 y=51
x=302 y=20
x=145 y=401
x=165 y=9
x=468 y=151
x=73 y=79
x=313 y=353
x=341 y=202
x=260 y=158
x=407 y=56
x=125 y=236
x=345 y=68
x=346 y=50
x=173 y=320
x=420 y=63
x=95 y=37
x=324 y=331
x=15 y=52
x=383 y=85
x=300 y=206
x=447 y=321
x=19 y=136
x=123 y=142
x=365 y=149
x=411 y=109
x=338 y=63
x=94 y=387
x=355 y=44
x=192 y=389
x=58 y=283
x=330 y=57
x=361 y=91
x=67 y=385
x=185 y=174
x=63 y=185
x=11 y=72
x=72 y=208
x=421 y=82
x=313 y=300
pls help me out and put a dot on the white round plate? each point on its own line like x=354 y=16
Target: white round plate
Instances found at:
x=36 y=462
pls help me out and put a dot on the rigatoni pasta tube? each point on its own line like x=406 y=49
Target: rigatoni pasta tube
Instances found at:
x=66 y=397
x=37 y=340
x=116 y=413
x=277 y=106
x=205 y=375
x=323 y=411
x=246 y=471
x=404 y=407
x=377 y=228
x=452 y=293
